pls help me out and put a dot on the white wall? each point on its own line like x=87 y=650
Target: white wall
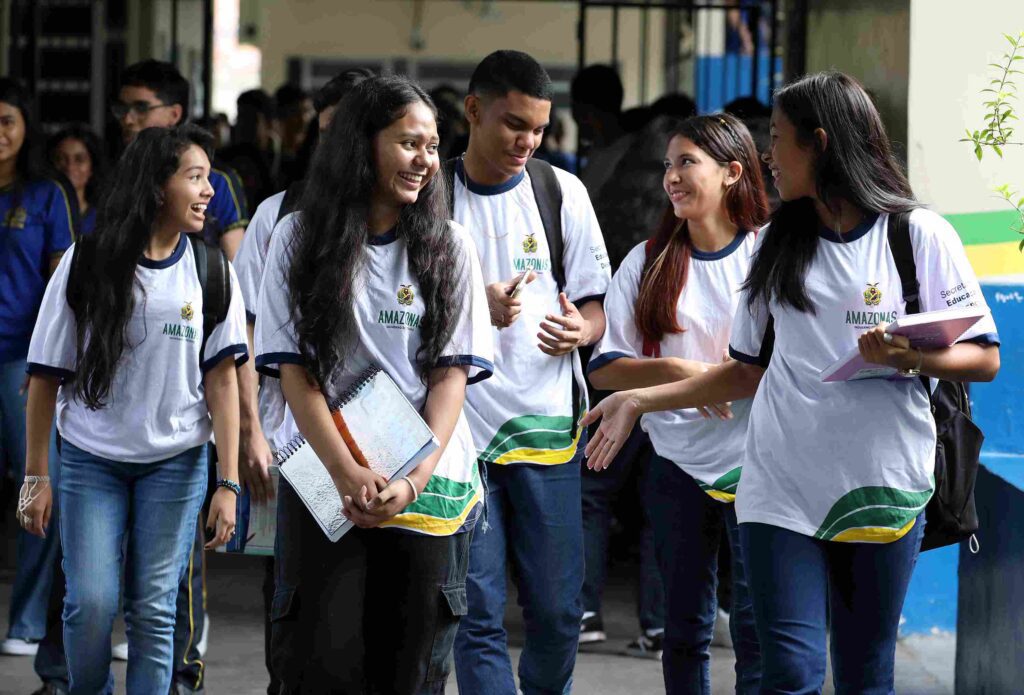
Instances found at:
x=952 y=42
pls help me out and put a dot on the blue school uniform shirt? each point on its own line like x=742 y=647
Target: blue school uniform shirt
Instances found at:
x=35 y=227
x=227 y=209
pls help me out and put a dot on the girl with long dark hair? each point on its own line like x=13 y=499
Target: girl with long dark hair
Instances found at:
x=35 y=228
x=836 y=475
x=669 y=309
x=119 y=349
x=77 y=153
x=376 y=611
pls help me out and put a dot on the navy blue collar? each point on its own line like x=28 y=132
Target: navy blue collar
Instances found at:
x=718 y=255
x=383 y=239
x=856 y=233
x=179 y=251
x=479 y=188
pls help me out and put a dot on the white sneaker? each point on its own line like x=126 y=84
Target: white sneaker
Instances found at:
x=722 y=636
x=15 y=646
x=201 y=646
x=120 y=651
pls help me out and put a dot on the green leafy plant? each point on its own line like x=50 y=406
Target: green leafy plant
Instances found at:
x=998 y=130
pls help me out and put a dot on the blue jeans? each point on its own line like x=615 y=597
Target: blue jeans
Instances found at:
x=155 y=506
x=628 y=474
x=533 y=517
x=688 y=525
x=36 y=556
x=801 y=584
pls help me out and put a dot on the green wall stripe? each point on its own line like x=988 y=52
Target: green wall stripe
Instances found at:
x=986 y=227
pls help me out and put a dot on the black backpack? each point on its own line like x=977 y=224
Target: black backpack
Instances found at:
x=214 y=279
x=951 y=515
x=548 y=194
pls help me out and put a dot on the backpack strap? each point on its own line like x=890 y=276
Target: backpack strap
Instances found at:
x=903 y=253
x=290 y=200
x=214 y=280
x=548 y=195
x=902 y=250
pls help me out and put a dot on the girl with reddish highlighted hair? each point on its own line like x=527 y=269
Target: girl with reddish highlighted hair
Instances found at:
x=670 y=309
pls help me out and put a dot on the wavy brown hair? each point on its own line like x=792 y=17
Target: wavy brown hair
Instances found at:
x=725 y=139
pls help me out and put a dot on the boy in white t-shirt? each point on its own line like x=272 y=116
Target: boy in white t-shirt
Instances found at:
x=525 y=418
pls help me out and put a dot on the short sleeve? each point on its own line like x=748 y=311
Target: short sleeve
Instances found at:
x=471 y=344
x=53 y=349
x=276 y=340
x=621 y=337
x=228 y=204
x=945 y=275
x=587 y=267
x=752 y=338
x=252 y=255
x=229 y=337
x=61 y=212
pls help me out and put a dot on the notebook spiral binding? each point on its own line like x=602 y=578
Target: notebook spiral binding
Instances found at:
x=296 y=442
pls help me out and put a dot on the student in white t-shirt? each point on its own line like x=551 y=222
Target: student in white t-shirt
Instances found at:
x=262 y=403
x=525 y=419
x=836 y=475
x=119 y=350
x=370 y=271
x=670 y=309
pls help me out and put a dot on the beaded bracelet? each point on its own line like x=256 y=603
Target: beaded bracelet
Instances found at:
x=230 y=485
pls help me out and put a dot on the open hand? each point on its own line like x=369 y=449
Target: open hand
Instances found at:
x=618 y=414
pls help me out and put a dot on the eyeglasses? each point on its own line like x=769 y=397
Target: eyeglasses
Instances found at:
x=138 y=108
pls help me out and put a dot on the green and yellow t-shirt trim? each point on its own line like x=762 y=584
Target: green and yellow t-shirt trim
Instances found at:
x=540 y=439
x=873 y=515
x=442 y=507
x=724 y=489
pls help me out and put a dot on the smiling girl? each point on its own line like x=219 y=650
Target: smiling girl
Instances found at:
x=669 y=309
x=835 y=476
x=119 y=351
x=369 y=271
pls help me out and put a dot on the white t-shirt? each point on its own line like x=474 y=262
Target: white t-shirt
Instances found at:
x=849 y=461
x=388 y=312
x=157 y=405
x=524 y=414
x=249 y=262
x=710 y=451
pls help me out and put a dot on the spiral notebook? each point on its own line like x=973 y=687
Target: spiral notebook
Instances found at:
x=383 y=431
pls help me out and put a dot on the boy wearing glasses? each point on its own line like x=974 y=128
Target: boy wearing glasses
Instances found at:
x=155 y=95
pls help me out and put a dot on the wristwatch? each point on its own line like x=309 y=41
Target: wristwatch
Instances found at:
x=915 y=371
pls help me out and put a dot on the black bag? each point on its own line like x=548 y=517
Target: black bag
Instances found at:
x=215 y=281
x=951 y=515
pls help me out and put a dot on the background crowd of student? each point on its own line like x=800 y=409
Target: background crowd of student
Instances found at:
x=654 y=344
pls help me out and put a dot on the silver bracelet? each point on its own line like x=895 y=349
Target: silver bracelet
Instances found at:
x=37 y=478
x=415 y=494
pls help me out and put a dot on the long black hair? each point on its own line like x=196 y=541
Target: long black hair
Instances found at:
x=29 y=165
x=329 y=247
x=93 y=146
x=102 y=280
x=857 y=165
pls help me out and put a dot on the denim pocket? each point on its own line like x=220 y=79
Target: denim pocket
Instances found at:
x=453 y=605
